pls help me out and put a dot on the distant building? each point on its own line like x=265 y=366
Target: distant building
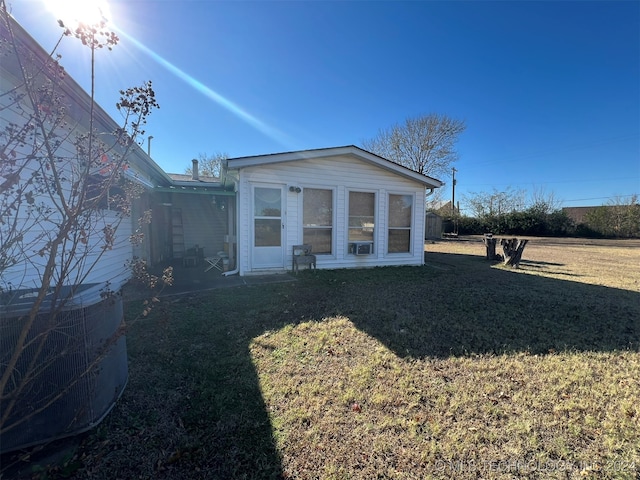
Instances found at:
x=578 y=214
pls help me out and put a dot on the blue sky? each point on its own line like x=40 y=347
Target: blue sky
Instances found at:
x=550 y=91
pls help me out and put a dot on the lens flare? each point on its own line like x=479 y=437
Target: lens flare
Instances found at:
x=259 y=125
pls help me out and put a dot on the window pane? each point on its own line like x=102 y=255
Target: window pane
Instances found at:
x=317 y=219
x=318 y=238
x=267 y=233
x=267 y=202
x=361 y=204
x=399 y=241
x=361 y=234
x=400 y=210
x=317 y=207
x=361 y=216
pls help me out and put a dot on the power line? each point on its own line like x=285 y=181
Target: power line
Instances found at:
x=599 y=198
x=533 y=182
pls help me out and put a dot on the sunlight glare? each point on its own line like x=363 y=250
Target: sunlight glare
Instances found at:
x=224 y=102
x=73 y=12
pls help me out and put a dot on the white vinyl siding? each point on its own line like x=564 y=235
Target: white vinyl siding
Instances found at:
x=341 y=174
x=91 y=263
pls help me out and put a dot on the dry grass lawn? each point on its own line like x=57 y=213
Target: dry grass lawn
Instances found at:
x=346 y=402
x=458 y=369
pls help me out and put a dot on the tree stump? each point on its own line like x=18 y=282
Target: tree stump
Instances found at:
x=513 y=249
x=490 y=243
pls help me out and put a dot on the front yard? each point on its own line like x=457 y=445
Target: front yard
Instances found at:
x=453 y=370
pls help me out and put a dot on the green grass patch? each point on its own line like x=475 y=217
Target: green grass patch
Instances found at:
x=458 y=369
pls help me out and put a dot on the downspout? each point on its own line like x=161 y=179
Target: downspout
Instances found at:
x=236 y=270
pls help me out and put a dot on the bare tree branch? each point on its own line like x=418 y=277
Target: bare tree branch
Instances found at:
x=425 y=144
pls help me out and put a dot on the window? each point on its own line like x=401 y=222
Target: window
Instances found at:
x=317 y=220
x=114 y=199
x=361 y=216
x=267 y=217
x=400 y=207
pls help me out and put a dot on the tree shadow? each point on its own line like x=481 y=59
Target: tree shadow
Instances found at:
x=194 y=406
x=458 y=305
x=536 y=263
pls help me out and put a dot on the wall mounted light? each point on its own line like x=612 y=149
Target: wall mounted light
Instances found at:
x=295 y=189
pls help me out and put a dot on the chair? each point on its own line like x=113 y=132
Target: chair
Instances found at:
x=302 y=256
x=217 y=261
x=193 y=257
x=190 y=258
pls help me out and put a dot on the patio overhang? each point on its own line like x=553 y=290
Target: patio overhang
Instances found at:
x=196 y=191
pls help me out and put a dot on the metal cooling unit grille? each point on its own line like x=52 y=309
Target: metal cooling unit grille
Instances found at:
x=80 y=369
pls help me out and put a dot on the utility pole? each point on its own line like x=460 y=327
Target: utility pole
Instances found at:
x=453 y=193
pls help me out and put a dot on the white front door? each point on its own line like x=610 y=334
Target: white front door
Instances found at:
x=268 y=226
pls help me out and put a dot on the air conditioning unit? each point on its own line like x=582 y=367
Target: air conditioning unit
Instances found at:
x=362 y=248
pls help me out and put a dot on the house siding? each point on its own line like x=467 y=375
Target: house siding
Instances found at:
x=341 y=175
x=92 y=263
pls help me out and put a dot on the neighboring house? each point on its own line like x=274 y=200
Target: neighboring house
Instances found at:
x=578 y=214
x=444 y=210
x=354 y=208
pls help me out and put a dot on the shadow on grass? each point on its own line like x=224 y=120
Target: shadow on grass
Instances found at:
x=458 y=305
x=538 y=263
x=194 y=409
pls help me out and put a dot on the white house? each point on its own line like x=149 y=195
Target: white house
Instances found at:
x=354 y=208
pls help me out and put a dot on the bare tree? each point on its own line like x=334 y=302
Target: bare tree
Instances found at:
x=495 y=203
x=426 y=144
x=64 y=195
x=209 y=165
x=543 y=201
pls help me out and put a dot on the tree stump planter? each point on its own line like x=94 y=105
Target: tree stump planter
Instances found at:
x=490 y=244
x=513 y=249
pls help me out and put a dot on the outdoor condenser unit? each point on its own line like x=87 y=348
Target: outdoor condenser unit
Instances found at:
x=362 y=248
x=82 y=364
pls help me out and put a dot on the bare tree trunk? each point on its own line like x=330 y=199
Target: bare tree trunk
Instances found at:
x=490 y=244
x=513 y=249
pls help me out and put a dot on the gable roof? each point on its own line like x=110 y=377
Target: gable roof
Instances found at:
x=347 y=151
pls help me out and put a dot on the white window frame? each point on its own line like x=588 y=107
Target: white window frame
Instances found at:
x=376 y=209
x=333 y=218
x=410 y=228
